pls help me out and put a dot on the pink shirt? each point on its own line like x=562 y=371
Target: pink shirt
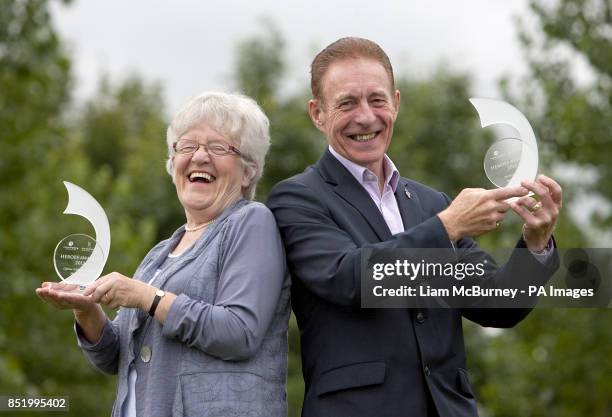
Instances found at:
x=385 y=201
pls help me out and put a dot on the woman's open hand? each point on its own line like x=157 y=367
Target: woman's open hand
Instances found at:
x=64 y=296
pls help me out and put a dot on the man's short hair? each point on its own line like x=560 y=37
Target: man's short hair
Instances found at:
x=342 y=49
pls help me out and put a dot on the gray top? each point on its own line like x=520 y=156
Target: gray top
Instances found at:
x=222 y=350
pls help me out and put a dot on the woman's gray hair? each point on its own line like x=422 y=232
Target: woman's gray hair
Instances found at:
x=234 y=115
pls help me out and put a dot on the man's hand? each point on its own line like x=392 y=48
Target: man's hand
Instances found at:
x=540 y=216
x=476 y=211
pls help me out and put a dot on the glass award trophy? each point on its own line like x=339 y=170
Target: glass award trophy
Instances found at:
x=79 y=259
x=509 y=160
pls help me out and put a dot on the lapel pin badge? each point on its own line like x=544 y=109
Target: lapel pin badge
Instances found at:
x=407 y=193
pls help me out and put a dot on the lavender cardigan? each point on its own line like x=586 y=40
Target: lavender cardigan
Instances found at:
x=222 y=350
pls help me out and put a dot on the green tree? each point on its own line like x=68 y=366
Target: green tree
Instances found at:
x=39 y=147
x=568 y=92
x=554 y=363
x=260 y=64
x=123 y=134
x=36 y=153
x=260 y=67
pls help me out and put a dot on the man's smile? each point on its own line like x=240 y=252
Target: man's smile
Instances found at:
x=364 y=137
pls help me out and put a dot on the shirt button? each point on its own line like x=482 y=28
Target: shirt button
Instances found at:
x=145 y=354
x=427 y=370
x=420 y=317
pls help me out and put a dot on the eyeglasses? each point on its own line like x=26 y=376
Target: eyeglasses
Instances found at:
x=217 y=147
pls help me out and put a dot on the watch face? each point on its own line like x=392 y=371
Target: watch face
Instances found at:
x=160 y=293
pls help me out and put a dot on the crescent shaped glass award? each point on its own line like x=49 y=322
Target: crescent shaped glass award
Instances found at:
x=79 y=258
x=509 y=160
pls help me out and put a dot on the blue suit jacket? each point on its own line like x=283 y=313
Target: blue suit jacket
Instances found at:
x=373 y=362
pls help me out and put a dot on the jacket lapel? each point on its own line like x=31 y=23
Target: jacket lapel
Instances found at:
x=409 y=204
x=349 y=189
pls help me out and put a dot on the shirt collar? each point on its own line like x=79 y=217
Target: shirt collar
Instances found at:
x=363 y=174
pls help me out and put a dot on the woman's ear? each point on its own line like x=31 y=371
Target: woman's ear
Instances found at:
x=248 y=173
x=170 y=168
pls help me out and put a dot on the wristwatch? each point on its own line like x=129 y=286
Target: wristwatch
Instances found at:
x=158 y=296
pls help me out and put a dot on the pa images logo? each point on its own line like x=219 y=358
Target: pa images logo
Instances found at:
x=589 y=269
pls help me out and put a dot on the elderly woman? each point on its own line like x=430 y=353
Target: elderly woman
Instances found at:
x=201 y=329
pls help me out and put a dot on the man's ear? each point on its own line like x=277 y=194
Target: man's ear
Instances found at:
x=396 y=97
x=316 y=113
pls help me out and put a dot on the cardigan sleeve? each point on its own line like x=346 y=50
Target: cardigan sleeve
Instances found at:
x=103 y=354
x=252 y=271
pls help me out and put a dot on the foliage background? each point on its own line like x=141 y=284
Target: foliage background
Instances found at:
x=557 y=362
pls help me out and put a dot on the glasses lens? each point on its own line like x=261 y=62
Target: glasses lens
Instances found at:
x=218 y=148
x=186 y=146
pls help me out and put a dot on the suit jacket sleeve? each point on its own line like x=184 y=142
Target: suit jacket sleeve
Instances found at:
x=323 y=256
x=521 y=264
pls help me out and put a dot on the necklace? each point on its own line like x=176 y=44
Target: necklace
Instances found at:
x=199 y=226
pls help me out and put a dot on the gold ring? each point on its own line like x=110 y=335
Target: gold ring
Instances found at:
x=105 y=298
x=536 y=207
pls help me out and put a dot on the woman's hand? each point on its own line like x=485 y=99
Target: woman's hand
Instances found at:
x=65 y=296
x=115 y=290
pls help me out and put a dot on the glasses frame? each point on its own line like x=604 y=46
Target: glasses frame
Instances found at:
x=231 y=148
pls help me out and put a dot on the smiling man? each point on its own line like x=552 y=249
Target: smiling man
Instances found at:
x=386 y=362
x=356 y=111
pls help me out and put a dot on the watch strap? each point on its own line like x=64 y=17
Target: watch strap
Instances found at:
x=154 y=305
